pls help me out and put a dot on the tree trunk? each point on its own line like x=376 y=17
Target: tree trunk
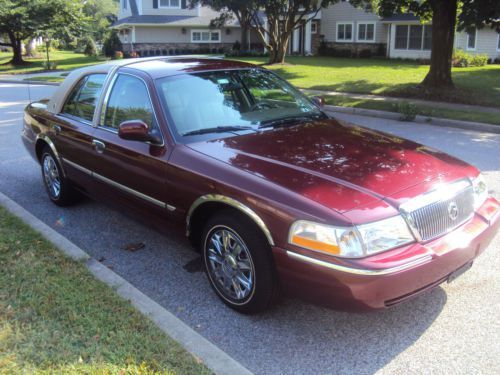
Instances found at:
x=444 y=16
x=17 y=59
x=245 y=44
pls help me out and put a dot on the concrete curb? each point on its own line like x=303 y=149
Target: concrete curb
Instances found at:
x=214 y=358
x=467 y=125
x=17 y=81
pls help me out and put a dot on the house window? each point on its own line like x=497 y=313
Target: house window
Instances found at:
x=413 y=37
x=205 y=36
x=471 y=39
x=314 y=27
x=169 y=3
x=401 y=37
x=344 y=32
x=366 y=32
x=415 y=41
x=124 y=4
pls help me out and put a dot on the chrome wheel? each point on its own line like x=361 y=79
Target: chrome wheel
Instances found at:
x=229 y=264
x=51 y=176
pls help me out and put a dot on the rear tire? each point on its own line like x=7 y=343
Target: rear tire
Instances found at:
x=239 y=263
x=59 y=188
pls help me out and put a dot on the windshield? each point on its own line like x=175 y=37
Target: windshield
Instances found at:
x=222 y=101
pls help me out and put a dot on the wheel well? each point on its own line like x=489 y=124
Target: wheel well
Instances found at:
x=40 y=145
x=203 y=212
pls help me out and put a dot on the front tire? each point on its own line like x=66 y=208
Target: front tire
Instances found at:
x=239 y=263
x=58 y=188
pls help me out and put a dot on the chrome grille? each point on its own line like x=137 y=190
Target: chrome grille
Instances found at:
x=440 y=211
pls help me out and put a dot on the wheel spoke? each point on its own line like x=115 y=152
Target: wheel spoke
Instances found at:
x=244 y=281
x=237 y=289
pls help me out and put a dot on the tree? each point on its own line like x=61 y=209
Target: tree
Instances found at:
x=25 y=19
x=228 y=10
x=273 y=20
x=446 y=16
x=112 y=44
x=103 y=14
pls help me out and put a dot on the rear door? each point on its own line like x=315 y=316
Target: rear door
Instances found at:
x=72 y=134
x=129 y=173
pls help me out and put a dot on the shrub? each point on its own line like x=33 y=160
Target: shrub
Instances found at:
x=49 y=65
x=90 y=48
x=118 y=55
x=112 y=44
x=133 y=54
x=365 y=53
x=407 y=110
x=462 y=59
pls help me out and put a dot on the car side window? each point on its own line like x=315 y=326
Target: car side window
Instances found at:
x=129 y=100
x=83 y=98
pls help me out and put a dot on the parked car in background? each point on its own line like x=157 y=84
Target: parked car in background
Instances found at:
x=275 y=194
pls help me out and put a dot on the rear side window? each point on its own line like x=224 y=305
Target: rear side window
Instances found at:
x=83 y=99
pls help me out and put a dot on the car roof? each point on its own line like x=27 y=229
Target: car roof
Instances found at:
x=156 y=67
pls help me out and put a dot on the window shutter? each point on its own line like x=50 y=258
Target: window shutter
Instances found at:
x=155 y=4
x=183 y=4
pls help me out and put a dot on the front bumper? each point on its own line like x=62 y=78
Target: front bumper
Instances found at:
x=386 y=279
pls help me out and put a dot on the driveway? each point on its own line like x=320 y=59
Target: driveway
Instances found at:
x=453 y=329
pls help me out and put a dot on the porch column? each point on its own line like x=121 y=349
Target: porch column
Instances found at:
x=266 y=35
x=308 y=41
x=296 y=40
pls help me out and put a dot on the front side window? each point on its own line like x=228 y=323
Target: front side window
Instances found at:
x=83 y=98
x=247 y=99
x=205 y=36
x=128 y=100
x=169 y=3
x=471 y=39
x=344 y=32
x=366 y=32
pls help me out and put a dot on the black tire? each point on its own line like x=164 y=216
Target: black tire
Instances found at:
x=264 y=290
x=66 y=195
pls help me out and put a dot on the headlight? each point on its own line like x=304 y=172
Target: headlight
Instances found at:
x=480 y=191
x=351 y=242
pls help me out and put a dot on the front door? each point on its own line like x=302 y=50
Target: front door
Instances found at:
x=129 y=173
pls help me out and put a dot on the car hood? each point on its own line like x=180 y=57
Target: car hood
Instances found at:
x=338 y=165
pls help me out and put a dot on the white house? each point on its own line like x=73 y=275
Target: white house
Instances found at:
x=171 y=26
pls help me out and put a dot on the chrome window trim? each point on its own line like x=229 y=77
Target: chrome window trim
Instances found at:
x=103 y=106
x=120 y=186
x=233 y=203
x=359 y=271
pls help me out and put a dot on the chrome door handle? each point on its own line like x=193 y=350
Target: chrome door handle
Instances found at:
x=57 y=129
x=98 y=146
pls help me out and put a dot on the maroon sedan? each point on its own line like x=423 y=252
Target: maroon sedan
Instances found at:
x=274 y=193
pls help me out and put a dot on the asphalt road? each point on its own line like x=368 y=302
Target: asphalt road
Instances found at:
x=453 y=329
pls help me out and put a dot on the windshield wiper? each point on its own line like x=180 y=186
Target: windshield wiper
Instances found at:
x=217 y=129
x=286 y=121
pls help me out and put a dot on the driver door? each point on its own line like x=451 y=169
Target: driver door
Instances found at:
x=129 y=173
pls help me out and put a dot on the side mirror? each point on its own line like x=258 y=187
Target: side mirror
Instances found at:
x=318 y=101
x=136 y=130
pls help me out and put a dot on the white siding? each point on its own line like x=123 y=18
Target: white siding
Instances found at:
x=159 y=34
x=344 y=12
x=147 y=9
x=486 y=42
x=122 y=13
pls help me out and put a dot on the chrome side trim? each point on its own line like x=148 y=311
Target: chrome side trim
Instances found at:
x=78 y=166
x=358 y=271
x=47 y=140
x=233 y=203
x=129 y=190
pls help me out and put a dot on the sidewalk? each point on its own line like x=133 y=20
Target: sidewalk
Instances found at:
x=437 y=105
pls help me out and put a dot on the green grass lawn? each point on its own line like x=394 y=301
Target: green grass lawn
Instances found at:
x=56 y=318
x=479 y=85
x=66 y=60
x=428 y=111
